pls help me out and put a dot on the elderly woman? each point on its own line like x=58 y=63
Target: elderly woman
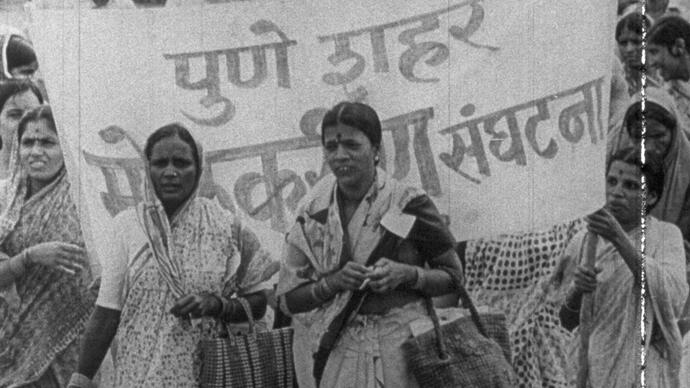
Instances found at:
x=44 y=296
x=176 y=256
x=364 y=253
x=16 y=98
x=604 y=290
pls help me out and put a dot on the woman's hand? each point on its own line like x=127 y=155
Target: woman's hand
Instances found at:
x=350 y=277
x=59 y=255
x=604 y=224
x=585 y=279
x=197 y=305
x=388 y=275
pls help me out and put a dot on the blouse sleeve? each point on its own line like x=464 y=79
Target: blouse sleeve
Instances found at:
x=256 y=264
x=113 y=269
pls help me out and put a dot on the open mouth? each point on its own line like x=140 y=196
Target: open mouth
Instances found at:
x=343 y=170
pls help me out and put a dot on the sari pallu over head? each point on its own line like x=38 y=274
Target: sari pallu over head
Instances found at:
x=46 y=309
x=158 y=229
x=676 y=162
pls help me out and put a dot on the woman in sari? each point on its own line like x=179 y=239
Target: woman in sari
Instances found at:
x=355 y=293
x=175 y=256
x=665 y=141
x=603 y=292
x=44 y=299
x=16 y=98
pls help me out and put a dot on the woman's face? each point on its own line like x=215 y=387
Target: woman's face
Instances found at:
x=13 y=110
x=173 y=171
x=630 y=47
x=350 y=155
x=623 y=190
x=670 y=66
x=40 y=152
x=658 y=137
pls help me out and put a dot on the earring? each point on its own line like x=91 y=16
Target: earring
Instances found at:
x=376 y=158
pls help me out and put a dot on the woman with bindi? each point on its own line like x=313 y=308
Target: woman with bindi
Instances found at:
x=603 y=299
x=337 y=280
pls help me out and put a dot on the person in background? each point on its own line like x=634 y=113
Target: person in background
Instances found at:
x=19 y=58
x=608 y=355
x=668 y=52
x=45 y=300
x=334 y=253
x=664 y=140
x=626 y=80
x=16 y=98
x=629 y=40
x=176 y=266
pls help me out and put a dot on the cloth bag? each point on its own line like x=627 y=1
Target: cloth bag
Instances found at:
x=468 y=352
x=254 y=359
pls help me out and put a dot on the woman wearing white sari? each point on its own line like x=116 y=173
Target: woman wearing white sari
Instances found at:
x=604 y=295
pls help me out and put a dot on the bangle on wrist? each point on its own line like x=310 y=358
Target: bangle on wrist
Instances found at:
x=317 y=292
x=421 y=279
x=327 y=288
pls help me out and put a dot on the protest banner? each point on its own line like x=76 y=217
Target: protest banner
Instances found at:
x=497 y=108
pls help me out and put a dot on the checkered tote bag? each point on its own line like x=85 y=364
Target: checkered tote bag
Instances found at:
x=255 y=359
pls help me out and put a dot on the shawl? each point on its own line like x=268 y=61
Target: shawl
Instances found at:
x=46 y=309
x=317 y=245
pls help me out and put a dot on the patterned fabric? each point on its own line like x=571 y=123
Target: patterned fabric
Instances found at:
x=608 y=352
x=204 y=248
x=511 y=274
x=40 y=325
x=315 y=247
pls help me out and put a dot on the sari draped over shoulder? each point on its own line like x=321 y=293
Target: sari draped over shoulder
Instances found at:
x=318 y=245
x=44 y=312
x=153 y=262
x=610 y=356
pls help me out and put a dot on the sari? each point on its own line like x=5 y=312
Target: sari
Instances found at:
x=43 y=312
x=608 y=353
x=367 y=353
x=674 y=204
x=152 y=262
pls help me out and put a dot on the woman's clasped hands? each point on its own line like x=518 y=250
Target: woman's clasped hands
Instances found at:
x=384 y=276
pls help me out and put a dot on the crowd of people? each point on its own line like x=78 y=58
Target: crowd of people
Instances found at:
x=180 y=263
